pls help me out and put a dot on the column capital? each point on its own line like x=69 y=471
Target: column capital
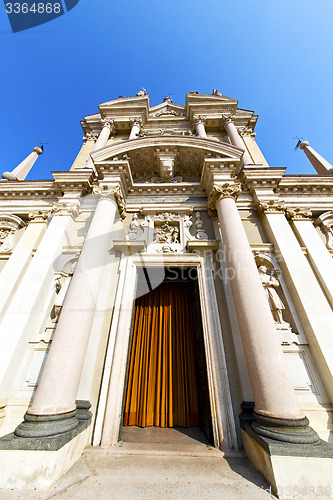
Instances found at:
x=62 y=208
x=218 y=192
x=39 y=215
x=272 y=207
x=199 y=119
x=104 y=191
x=298 y=213
x=226 y=119
x=110 y=123
x=136 y=121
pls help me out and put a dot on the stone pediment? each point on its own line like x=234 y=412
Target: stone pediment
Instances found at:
x=167 y=109
x=188 y=154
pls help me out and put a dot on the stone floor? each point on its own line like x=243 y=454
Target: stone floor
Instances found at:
x=147 y=464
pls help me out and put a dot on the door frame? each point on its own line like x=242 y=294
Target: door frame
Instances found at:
x=110 y=412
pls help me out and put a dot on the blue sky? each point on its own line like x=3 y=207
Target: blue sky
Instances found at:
x=275 y=57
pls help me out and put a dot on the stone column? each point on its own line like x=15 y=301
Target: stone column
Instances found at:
x=108 y=129
x=21 y=171
x=309 y=300
x=320 y=258
x=236 y=140
x=20 y=259
x=277 y=414
x=53 y=409
x=318 y=162
x=136 y=124
x=199 y=122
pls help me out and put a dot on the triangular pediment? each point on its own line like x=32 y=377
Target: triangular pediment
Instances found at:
x=167 y=109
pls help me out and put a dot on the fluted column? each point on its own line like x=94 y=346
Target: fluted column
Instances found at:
x=136 y=124
x=236 y=140
x=199 y=122
x=107 y=129
x=53 y=408
x=21 y=171
x=277 y=414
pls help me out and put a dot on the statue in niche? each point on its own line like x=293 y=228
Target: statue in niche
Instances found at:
x=5 y=240
x=277 y=307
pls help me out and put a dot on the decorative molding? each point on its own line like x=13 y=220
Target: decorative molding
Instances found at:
x=218 y=192
x=271 y=207
x=246 y=131
x=298 y=214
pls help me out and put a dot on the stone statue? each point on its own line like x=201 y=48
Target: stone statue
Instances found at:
x=142 y=92
x=270 y=284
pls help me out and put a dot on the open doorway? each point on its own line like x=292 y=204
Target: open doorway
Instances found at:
x=166 y=393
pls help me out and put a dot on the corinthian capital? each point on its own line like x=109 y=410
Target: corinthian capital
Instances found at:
x=271 y=207
x=218 y=192
x=39 y=215
x=136 y=121
x=107 y=192
x=298 y=214
x=226 y=119
x=110 y=124
x=199 y=119
x=63 y=208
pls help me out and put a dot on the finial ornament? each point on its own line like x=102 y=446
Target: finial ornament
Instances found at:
x=218 y=192
x=216 y=92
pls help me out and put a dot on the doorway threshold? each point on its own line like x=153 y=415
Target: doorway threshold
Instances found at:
x=175 y=441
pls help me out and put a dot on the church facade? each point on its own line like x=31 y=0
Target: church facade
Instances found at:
x=170 y=277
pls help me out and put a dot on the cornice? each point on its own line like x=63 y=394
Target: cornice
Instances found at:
x=29 y=190
x=79 y=181
x=167 y=189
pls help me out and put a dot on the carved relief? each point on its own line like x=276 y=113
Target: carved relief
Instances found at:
x=39 y=215
x=166 y=233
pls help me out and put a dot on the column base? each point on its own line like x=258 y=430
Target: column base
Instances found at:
x=293 y=470
x=48 y=432
x=295 y=431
